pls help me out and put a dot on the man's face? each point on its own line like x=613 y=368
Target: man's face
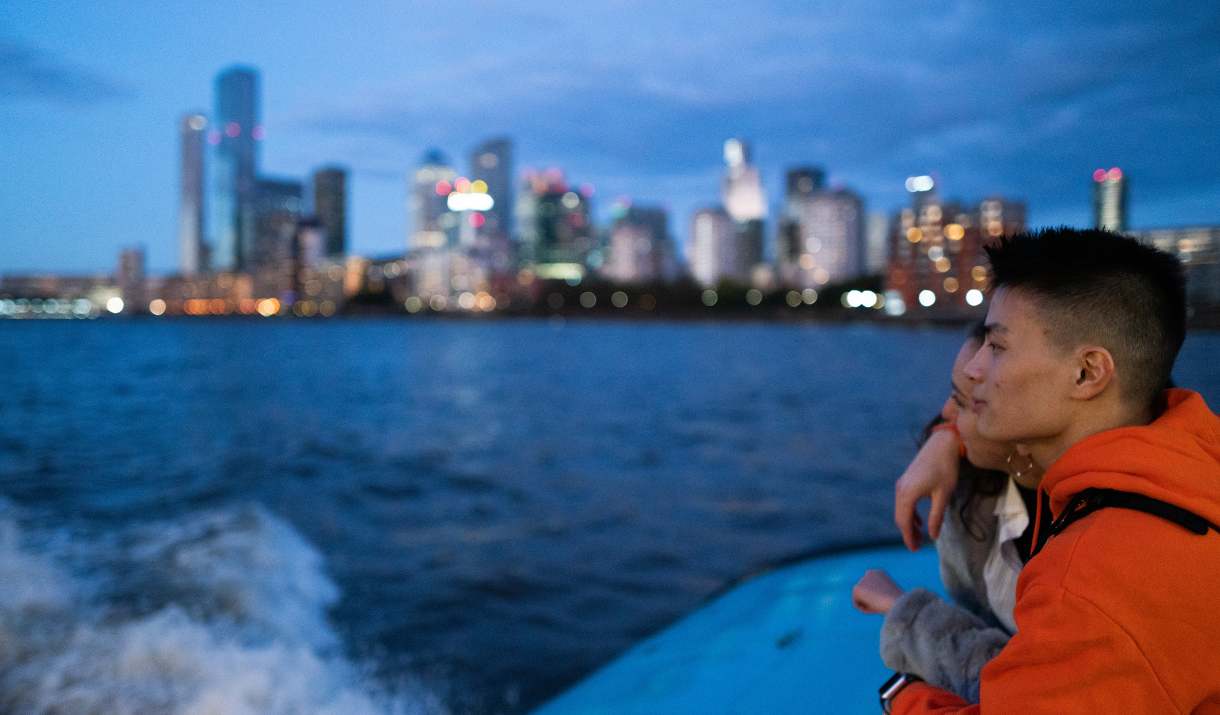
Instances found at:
x=1022 y=381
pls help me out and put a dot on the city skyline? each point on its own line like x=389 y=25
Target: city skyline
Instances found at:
x=1025 y=102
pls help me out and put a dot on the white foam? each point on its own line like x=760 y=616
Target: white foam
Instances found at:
x=219 y=612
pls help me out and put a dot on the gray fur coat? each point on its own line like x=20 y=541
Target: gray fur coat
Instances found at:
x=947 y=644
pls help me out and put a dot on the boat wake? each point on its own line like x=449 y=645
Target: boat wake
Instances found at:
x=217 y=612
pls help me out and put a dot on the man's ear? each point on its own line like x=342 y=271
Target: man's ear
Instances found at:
x=1094 y=371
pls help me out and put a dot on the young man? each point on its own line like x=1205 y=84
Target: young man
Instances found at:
x=1119 y=611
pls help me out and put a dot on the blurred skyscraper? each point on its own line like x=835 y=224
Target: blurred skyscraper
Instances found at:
x=430 y=214
x=711 y=251
x=277 y=210
x=743 y=198
x=330 y=208
x=639 y=242
x=936 y=256
x=492 y=163
x=130 y=280
x=191 y=243
x=236 y=135
x=554 y=222
x=1110 y=200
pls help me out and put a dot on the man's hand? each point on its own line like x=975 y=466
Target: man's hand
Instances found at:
x=932 y=474
x=876 y=592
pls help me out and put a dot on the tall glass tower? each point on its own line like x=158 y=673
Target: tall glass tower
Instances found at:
x=236 y=138
x=492 y=163
x=191 y=248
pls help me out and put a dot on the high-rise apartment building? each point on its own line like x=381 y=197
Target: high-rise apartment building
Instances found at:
x=1110 y=200
x=639 y=241
x=236 y=135
x=492 y=163
x=430 y=214
x=191 y=242
x=936 y=254
x=330 y=208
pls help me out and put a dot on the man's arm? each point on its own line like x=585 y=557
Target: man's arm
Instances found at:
x=1068 y=657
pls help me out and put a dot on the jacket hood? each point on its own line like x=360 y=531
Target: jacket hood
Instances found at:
x=1175 y=459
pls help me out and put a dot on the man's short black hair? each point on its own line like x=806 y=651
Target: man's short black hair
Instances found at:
x=1104 y=288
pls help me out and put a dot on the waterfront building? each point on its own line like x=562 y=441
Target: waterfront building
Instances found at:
x=711 y=250
x=555 y=226
x=639 y=240
x=330 y=208
x=192 y=246
x=1198 y=248
x=130 y=280
x=277 y=212
x=235 y=174
x=431 y=218
x=492 y=163
x=1110 y=200
x=876 y=244
x=821 y=235
x=936 y=248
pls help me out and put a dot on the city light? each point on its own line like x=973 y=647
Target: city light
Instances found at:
x=157 y=307
x=809 y=296
x=954 y=232
x=443 y=188
x=115 y=305
x=709 y=298
x=459 y=201
x=894 y=305
x=754 y=296
x=793 y=299
x=413 y=304
x=927 y=298
x=919 y=183
x=619 y=299
x=588 y=300
x=477 y=220
x=974 y=296
x=268 y=307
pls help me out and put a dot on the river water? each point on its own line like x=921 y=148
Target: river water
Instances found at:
x=392 y=516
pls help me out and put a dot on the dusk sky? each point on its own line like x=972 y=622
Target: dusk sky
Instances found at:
x=1025 y=100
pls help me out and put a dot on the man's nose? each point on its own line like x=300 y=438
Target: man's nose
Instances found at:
x=975 y=368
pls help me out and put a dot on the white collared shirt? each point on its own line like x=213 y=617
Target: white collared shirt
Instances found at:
x=1003 y=563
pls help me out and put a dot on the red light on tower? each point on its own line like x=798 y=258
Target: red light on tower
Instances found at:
x=443 y=188
x=476 y=219
x=1099 y=175
x=232 y=129
x=258 y=133
x=1114 y=174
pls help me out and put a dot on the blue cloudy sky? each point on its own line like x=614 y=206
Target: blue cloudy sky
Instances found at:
x=1021 y=99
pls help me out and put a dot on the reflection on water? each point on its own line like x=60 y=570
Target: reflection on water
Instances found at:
x=485 y=512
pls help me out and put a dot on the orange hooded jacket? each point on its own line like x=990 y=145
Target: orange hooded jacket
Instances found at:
x=1119 y=613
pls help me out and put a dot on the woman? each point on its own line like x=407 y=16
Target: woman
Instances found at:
x=985 y=540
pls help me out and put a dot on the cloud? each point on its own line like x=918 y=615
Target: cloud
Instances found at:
x=29 y=74
x=1022 y=102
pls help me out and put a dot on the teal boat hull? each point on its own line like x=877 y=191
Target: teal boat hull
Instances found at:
x=786 y=641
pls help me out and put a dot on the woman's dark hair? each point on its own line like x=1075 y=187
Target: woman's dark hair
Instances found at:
x=972 y=481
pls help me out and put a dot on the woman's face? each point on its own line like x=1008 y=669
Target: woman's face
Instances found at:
x=981 y=452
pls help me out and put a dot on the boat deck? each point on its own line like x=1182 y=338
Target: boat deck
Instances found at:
x=786 y=641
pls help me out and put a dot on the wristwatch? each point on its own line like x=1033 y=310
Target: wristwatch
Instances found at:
x=893 y=686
